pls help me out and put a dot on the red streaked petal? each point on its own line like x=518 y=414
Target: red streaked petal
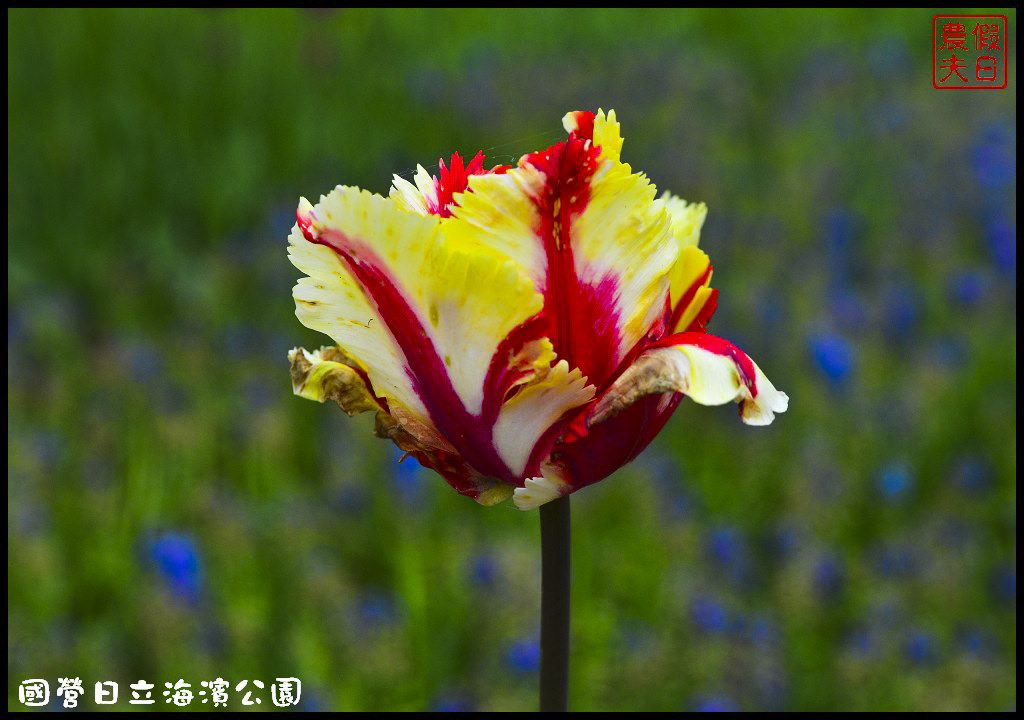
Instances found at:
x=525 y=417
x=440 y=325
x=443 y=459
x=528 y=214
x=592 y=237
x=703 y=317
x=693 y=299
x=579 y=123
x=685 y=300
x=330 y=374
x=596 y=452
x=708 y=369
x=584 y=321
x=454 y=332
x=430 y=381
x=621 y=422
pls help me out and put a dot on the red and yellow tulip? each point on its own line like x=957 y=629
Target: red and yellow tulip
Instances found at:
x=522 y=330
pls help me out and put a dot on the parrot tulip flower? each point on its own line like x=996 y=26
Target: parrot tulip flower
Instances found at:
x=524 y=331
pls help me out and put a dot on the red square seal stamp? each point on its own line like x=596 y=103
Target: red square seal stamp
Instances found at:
x=969 y=52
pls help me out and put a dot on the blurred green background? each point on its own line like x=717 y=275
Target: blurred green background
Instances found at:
x=174 y=512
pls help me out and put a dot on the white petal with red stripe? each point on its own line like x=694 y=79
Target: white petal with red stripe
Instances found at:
x=705 y=368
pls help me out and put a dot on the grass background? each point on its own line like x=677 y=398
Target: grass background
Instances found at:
x=173 y=511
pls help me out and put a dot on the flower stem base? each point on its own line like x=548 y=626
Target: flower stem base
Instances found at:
x=554 y=613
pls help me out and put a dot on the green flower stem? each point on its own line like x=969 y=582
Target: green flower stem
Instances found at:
x=554 y=605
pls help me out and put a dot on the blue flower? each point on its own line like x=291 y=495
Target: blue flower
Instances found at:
x=279 y=221
x=709 y=615
x=783 y=541
x=176 y=557
x=483 y=570
x=764 y=632
x=451 y=702
x=994 y=157
x=257 y=393
x=972 y=474
x=888 y=117
x=841 y=229
x=408 y=479
x=726 y=548
x=676 y=502
x=636 y=636
x=921 y=648
x=311 y=701
x=901 y=311
x=770 y=309
x=523 y=656
x=715 y=703
x=951 y=350
x=1004 y=583
x=1002 y=243
x=46 y=447
x=15 y=330
x=242 y=339
x=834 y=355
x=144 y=361
x=847 y=309
x=376 y=609
x=968 y=288
x=977 y=642
x=829 y=575
x=348 y=499
x=860 y=642
x=895 y=561
x=889 y=57
x=895 y=481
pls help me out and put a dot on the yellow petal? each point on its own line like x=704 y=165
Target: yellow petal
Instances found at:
x=607 y=136
x=687 y=219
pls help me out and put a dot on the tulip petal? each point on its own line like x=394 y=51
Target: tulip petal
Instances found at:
x=589 y=233
x=329 y=374
x=418 y=198
x=692 y=299
x=500 y=213
x=707 y=369
x=607 y=135
x=588 y=454
x=687 y=219
x=463 y=299
x=540 y=490
x=331 y=299
x=448 y=327
x=527 y=415
x=624 y=244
